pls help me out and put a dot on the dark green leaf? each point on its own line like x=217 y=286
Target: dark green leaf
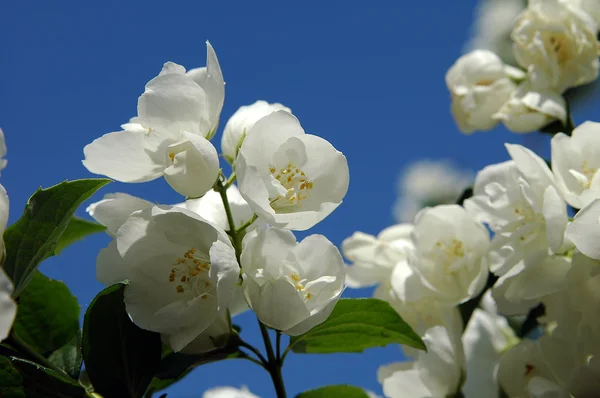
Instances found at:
x=77 y=229
x=354 y=325
x=11 y=381
x=335 y=391
x=120 y=358
x=41 y=382
x=68 y=357
x=48 y=315
x=175 y=366
x=35 y=235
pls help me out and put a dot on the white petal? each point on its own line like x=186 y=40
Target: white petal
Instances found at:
x=584 y=231
x=172 y=104
x=123 y=156
x=8 y=308
x=406 y=383
x=211 y=80
x=115 y=208
x=439 y=367
x=110 y=267
x=195 y=166
x=555 y=213
x=312 y=320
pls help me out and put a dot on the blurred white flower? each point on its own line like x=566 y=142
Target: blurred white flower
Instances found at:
x=480 y=83
x=3 y=161
x=575 y=163
x=522 y=372
x=520 y=204
x=291 y=286
x=228 y=392
x=182 y=271
x=436 y=373
x=527 y=110
x=176 y=114
x=592 y=7
x=584 y=231
x=486 y=336
x=428 y=183
x=492 y=27
x=290 y=179
x=556 y=42
x=450 y=253
x=240 y=124
x=374 y=258
x=528 y=282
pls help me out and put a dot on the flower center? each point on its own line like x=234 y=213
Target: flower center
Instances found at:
x=449 y=253
x=558 y=46
x=295 y=184
x=190 y=274
x=300 y=285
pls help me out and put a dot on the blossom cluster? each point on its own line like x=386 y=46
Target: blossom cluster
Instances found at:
x=190 y=266
x=555 y=45
x=538 y=257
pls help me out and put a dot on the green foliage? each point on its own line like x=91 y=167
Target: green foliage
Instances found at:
x=68 y=357
x=35 y=236
x=48 y=314
x=40 y=382
x=11 y=382
x=77 y=229
x=175 y=366
x=335 y=391
x=120 y=358
x=353 y=326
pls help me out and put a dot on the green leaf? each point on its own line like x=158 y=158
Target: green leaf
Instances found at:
x=48 y=315
x=11 y=381
x=120 y=358
x=335 y=391
x=354 y=325
x=68 y=357
x=77 y=229
x=175 y=366
x=41 y=382
x=36 y=234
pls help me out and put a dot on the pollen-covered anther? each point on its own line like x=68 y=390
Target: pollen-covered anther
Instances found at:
x=187 y=269
x=294 y=181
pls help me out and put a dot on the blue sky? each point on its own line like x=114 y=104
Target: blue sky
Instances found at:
x=367 y=76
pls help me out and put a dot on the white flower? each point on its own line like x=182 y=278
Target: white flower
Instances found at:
x=115 y=208
x=522 y=372
x=556 y=42
x=374 y=258
x=228 y=392
x=529 y=281
x=429 y=183
x=592 y=7
x=518 y=201
x=241 y=122
x=575 y=164
x=290 y=179
x=479 y=83
x=176 y=115
x=584 y=231
x=436 y=373
x=291 y=286
x=528 y=110
x=449 y=256
x=8 y=308
x=210 y=207
x=408 y=295
x=181 y=269
x=493 y=25
x=486 y=336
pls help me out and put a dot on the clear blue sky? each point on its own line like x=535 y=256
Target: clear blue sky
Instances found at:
x=367 y=76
